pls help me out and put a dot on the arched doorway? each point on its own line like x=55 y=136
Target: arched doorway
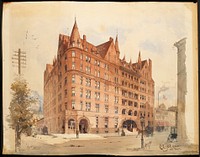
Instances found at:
x=130 y=125
x=83 y=126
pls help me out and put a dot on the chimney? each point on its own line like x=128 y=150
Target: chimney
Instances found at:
x=110 y=39
x=150 y=67
x=84 y=37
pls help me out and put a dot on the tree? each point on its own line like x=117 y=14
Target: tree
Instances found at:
x=20 y=117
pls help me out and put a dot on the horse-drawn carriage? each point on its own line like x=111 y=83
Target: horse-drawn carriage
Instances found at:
x=173 y=135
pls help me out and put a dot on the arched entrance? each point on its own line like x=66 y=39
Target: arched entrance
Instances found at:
x=83 y=126
x=130 y=125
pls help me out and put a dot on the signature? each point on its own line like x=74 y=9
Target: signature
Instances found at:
x=169 y=146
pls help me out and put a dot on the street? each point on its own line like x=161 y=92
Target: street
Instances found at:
x=97 y=144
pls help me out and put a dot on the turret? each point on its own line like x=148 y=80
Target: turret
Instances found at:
x=75 y=40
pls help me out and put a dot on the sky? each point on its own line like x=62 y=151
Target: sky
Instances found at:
x=151 y=28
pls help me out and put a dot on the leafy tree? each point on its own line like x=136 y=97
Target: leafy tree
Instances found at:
x=21 y=116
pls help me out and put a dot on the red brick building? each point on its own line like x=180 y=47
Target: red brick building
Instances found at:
x=90 y=89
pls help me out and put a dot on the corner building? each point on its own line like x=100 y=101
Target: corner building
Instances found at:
x=90 y=89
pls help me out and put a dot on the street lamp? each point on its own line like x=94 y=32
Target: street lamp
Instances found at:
x=142 y=124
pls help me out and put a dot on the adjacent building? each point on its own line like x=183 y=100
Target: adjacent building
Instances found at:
x=165 y=118
x=90 y=89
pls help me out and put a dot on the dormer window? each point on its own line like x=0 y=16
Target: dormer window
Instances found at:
x=73 y=44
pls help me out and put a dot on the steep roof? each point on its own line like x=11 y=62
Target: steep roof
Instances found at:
x=75 y=36
x=103 y=48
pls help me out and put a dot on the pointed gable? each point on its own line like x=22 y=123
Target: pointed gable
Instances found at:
x=103 y=48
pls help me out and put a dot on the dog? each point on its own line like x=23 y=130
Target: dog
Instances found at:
x=147 y=145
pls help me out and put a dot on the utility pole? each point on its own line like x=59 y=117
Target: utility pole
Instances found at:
x=19 y=58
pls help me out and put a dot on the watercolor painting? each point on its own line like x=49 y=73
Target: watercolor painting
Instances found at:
x=117 y=78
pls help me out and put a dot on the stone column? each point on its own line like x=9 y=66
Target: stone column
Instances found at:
x=181 y=90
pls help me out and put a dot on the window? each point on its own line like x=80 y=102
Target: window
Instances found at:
x=60 y=108
x=136 y=96
x=142 y=97
x=81 y=80
x=130 y=103
x=106 y=66
x=142 y=82
x=88 y=94
x=135 y=104
x=97 y=122
x=65 y=93
x=116 y=70
x=124 y=111
x=124 y=102
x=106 y=108
x=73 y=91
x=81 y=56
x=106 y=76
x=130 y=113
x=71 y=124
x=81 y=66
x=66 y=106
x=98 y=73
x=124 y=93
x=73 y=65
x=116 y=79
x=73 y=54
x=65 y=80
x=98 y=63
x=65 y=68
x=88 y=82
x=81 y=105
x=73 y=104
x=116 y=122
x=73 y=78
x=106 y=122
x=65 y=56
x=130 y=94
x=59 y=97
x=60 y=76
x=88 y=106
x=116 y=100
x=97 y=107
x=135 y=87
x=87 y=59
x=116 y=110
x=88 y=69
x=106 y=97
x=135 y=113
x=116 y=90
x=97 y=95
x=81 y=92
x=97 y=84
